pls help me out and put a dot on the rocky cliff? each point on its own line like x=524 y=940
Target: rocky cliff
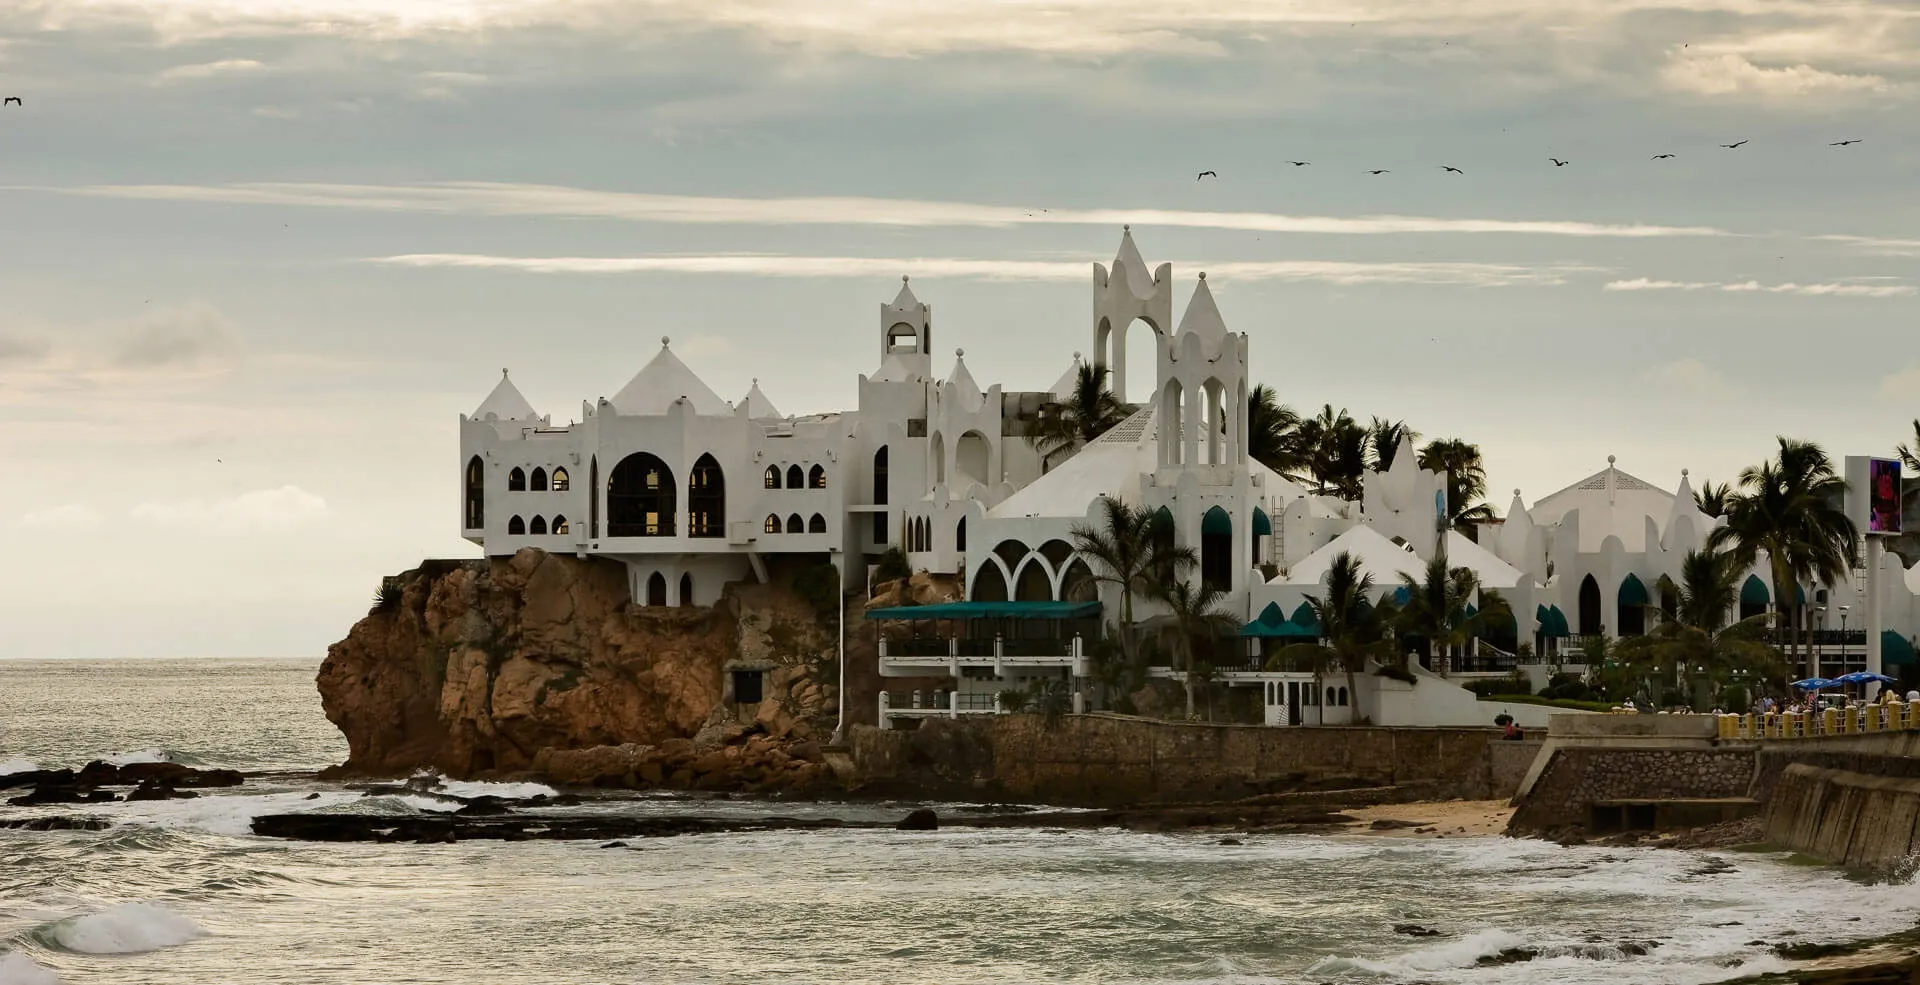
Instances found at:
x=539 y=663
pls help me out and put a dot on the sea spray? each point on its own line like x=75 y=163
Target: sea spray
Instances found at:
x=129 y=928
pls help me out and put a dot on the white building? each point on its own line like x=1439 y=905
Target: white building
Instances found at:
x=691 y=492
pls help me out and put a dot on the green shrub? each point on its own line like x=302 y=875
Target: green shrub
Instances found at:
x=819 y=587
x=1014 y=700
x=387 y=598
x=892 y=566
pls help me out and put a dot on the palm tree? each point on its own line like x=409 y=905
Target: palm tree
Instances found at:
x=1273 y=434
x=1789 y=509
x=1194 y=620
x=1132 y=550
x=1910 y=454
x=1351 y=629
x=1336 y=449
x=1698 y=641
x=1466 y=479
x=1383 y=441
x=1712 y=499
x=1087 y=413
x=1437 y=603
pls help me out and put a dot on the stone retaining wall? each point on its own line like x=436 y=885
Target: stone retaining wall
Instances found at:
x=1841 y=816
x=1578 y=777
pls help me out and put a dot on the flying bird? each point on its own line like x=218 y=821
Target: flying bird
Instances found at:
x=1299 y=164
x=1734 y=146
x=1661 y=157
x=1205 y=174
x=12 y=101
x=1449 y=167
x=1843 y=143
x=1558 y=163
x=1381 y=171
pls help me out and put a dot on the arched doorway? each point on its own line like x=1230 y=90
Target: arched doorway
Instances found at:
x=686 y=591
x=990 y=585
x=880 y=496
x=1033 y=583
x=1754 y=597
x=641 y=498
x=593 y=497
x=1077 y=585
x=706 y=499
x=656 y=588
x=1589 y=607
x=1216 y=549
x=476 y=493
x=960 y=535
x=1262 y=527
x=1634 y=602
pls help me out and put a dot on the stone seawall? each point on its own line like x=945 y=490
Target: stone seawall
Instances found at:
x=1099 y=760
x=1855 y=819
x=1576 y=779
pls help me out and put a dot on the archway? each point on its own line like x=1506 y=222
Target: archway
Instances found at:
x=517 y=480
x=796 y=479
x=772 y=525
x=971 y=458
x=1213 y=418
x=1754 y=597
x=1077 y=585
x=1136 y=359
x=1171 y=424
x=561 y=482
x=686 y=591
x=938 y=449
x=960 y=535
x=538 y=481
x=990 y=584
x=1589 y=607
x=641 y=498
x=706 y=499
x=795 y=525
x=817 y=524
x=560 y=525
x=656 y=589
x=1634 y=602
x=880 y=496
x=1262 y=527
x=1033 y=584
x=817 y=477
x=476 y=493
x=516 y=527
x=1216 y=549
x=771 y=480
x=537 y=527
x=593 y=496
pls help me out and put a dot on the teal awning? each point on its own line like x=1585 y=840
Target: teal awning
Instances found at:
x=1634 y=592
x=990 y=610
x=1552 y=621
x=1305 y=616
x=1754 y=592
x=1895 y=649
x=1216 y=521
x=1273 y=624
x=1262 y=525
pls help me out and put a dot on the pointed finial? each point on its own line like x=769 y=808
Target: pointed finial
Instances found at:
x=664 y=341
x=756 y=381
x=1203 y=275
x=503 y=372
x=1683 y=473
x=903 y=278
x=959 y=353
x=1516 y=493
x=1609 y=461
x=1076 y=357
x=1126 y=227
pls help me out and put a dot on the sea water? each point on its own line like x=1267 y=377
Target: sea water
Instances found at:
x=179 y=891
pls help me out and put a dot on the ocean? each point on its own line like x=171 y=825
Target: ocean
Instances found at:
x=179 y=891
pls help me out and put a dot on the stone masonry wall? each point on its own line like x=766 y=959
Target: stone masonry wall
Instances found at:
x=1850 y=818
x=1578 y=777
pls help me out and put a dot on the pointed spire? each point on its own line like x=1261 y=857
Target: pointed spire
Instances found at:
x=905 y=298
x=1064 y=387
x=757 y=404
x=1203 y=316
x=1128 y=259
x=663 y=381
x=505 y=403
x=960 y=378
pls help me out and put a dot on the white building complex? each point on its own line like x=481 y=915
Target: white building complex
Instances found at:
x=691 y=492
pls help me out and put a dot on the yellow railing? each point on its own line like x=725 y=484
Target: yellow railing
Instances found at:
x=1892 y=716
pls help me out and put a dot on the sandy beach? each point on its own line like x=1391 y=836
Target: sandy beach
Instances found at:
x=1432 y=819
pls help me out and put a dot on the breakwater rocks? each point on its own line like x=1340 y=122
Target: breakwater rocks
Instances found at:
x=540 y=664
x=150 y=781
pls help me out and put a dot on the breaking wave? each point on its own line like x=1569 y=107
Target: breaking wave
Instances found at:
x=129 y=928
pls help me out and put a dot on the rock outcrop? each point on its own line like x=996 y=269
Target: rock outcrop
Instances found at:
x=540 y=663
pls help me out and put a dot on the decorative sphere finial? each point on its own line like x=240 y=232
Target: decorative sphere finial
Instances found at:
x=1516 y=492
x=1609 y=461
x=1203 y=275
x=1076 y=356
x=665 y=341
x=959 y=353
x=503 y=372
x=1126 y=227
x=1683 y=473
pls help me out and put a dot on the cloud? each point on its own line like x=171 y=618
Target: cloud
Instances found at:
x=208 y=70
x=23 y=349
x=1688 y=376
x=65 y=517
x=1730 y=74
x=769 y=265
x=193 y=336
x=258 y=510
x=1847 y=290
x=500 y=199
x=1876 y=244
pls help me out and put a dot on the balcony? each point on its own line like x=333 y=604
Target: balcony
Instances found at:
x=920 y=656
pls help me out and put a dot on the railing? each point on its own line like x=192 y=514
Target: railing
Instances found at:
x=1893 y=716
x=975 y=647
x=919 y=646
x=1818 y=637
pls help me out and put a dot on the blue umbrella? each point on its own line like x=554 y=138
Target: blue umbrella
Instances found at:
x=1812 y=684
x=1863 y=677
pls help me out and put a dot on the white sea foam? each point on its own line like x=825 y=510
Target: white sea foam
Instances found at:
x=129 y=928
x=141 y=756
x=11 y=766
x=1462 y=953
x=18 y=969
x=473 y=788
x=222 y=814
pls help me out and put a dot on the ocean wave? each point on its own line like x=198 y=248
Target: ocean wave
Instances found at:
x=512 y=791
x=223 y=814
x=11 y=766
x=141 y=756
x=1463 y=953
x=129 y=928
x=18 y=969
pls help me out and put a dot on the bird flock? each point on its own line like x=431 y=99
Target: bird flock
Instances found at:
x=1557 y=162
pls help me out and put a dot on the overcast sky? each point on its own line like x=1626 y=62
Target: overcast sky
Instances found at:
x=258 y=254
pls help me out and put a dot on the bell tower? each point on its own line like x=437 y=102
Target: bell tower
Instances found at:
x=1121 y=295
x=906 y=332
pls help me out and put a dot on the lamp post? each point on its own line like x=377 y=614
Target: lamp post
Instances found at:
x=1843 y=635
x=1819 y=640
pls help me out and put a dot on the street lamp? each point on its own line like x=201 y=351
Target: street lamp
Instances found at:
x=1819 y=640
x=1843 y=636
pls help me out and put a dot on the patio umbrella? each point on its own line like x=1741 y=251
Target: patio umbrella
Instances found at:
x=1863 y=677
x=1812 y=684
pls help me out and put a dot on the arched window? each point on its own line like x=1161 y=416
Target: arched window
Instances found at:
x=1216 y=549
x=1333 y=697
x=795 y=525
x=641 y=498
x=772 y=525
x=990 y=585
x=880 y=496
x=517 y=527
x=972 y=458
x=560 y=481
x=706 y=499
x=538 y=527
x=516 y=480
x=1634 y=602
x=538 y=481
x=476 y=493
x=817 y=524
x=560 y=525
x=1077 y=585
x=817 y=477
x=656 y=589
x=795 y=478
x=1589 y=607
x=686 y=591
x=772 y=479
x=1033 y=584
x=960 y=535
x=593 y=496
x=1343 y=697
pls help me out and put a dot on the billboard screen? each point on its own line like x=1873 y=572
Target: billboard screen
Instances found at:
x=1883 y=497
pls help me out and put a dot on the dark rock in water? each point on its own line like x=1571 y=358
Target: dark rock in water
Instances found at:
x=154 y=788
x=99 y=774
x=34 y=778
x=57 y=824
x=1511 y=955
x=1414 y=930
x=483 y=807
x=62 y=793
x=1807 y=952
x=1392 y=824
x=520 y=826
x=565 y=800
x=1638 y=949
x=1229 y=841
x=614 y=844
x=919 y=820
x=312 y=796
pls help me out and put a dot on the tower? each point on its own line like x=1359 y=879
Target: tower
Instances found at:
x=1202 y=388
x=906 y=332
x=1120 y=296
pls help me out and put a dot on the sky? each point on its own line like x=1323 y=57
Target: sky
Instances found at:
x=256 y=256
